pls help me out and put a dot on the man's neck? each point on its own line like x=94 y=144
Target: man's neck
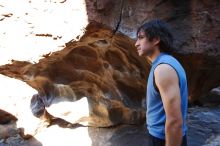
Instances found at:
x=153 y=56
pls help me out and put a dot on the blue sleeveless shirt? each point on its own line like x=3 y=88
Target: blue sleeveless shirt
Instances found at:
x=155 y=112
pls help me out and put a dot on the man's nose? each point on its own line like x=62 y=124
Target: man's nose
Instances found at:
x=137 y=44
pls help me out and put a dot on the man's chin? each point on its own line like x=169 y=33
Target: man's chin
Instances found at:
x=141 y=54
x=145 y=54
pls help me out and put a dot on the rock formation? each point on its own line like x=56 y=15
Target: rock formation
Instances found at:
x=102 y=66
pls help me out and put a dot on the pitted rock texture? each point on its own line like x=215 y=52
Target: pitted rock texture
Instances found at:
x=102 y=66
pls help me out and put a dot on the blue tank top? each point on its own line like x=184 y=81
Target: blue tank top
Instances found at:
x=155 y=112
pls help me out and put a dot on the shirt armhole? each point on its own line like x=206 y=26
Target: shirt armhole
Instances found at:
x=155 y=86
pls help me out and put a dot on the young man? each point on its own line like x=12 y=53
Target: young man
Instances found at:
x=167 y=91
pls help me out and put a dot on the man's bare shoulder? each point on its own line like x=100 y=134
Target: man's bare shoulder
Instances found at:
x=165 y=74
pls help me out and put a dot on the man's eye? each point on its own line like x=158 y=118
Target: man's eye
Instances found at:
x=140 y=37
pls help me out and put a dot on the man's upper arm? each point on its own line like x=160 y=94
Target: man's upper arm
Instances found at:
x=167 y=82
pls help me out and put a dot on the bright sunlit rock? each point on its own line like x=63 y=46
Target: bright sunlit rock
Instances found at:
x=57 y=136
x=29 y=29
x=70 y=111
x=15 y=98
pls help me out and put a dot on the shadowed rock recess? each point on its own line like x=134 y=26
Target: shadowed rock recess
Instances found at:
x=102 y=66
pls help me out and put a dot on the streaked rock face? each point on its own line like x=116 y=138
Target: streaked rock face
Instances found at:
x=102 y=67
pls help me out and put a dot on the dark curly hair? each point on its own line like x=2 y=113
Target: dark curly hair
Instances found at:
x=161 y=30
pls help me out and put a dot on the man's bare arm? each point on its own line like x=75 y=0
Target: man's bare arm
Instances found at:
x=167 y=82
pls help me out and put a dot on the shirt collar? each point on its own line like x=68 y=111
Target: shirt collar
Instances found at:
x=157 y=58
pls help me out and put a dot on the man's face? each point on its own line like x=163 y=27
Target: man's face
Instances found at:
x=144 y=46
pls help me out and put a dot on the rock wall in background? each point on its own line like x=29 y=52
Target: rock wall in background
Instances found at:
x=196 y=27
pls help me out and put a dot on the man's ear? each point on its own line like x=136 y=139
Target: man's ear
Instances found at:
x=156 y=41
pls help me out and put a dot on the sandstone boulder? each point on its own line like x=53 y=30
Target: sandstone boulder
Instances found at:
x=102 y=66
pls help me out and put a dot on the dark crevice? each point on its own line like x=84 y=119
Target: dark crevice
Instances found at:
x=160 y=3
x=120 y=17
